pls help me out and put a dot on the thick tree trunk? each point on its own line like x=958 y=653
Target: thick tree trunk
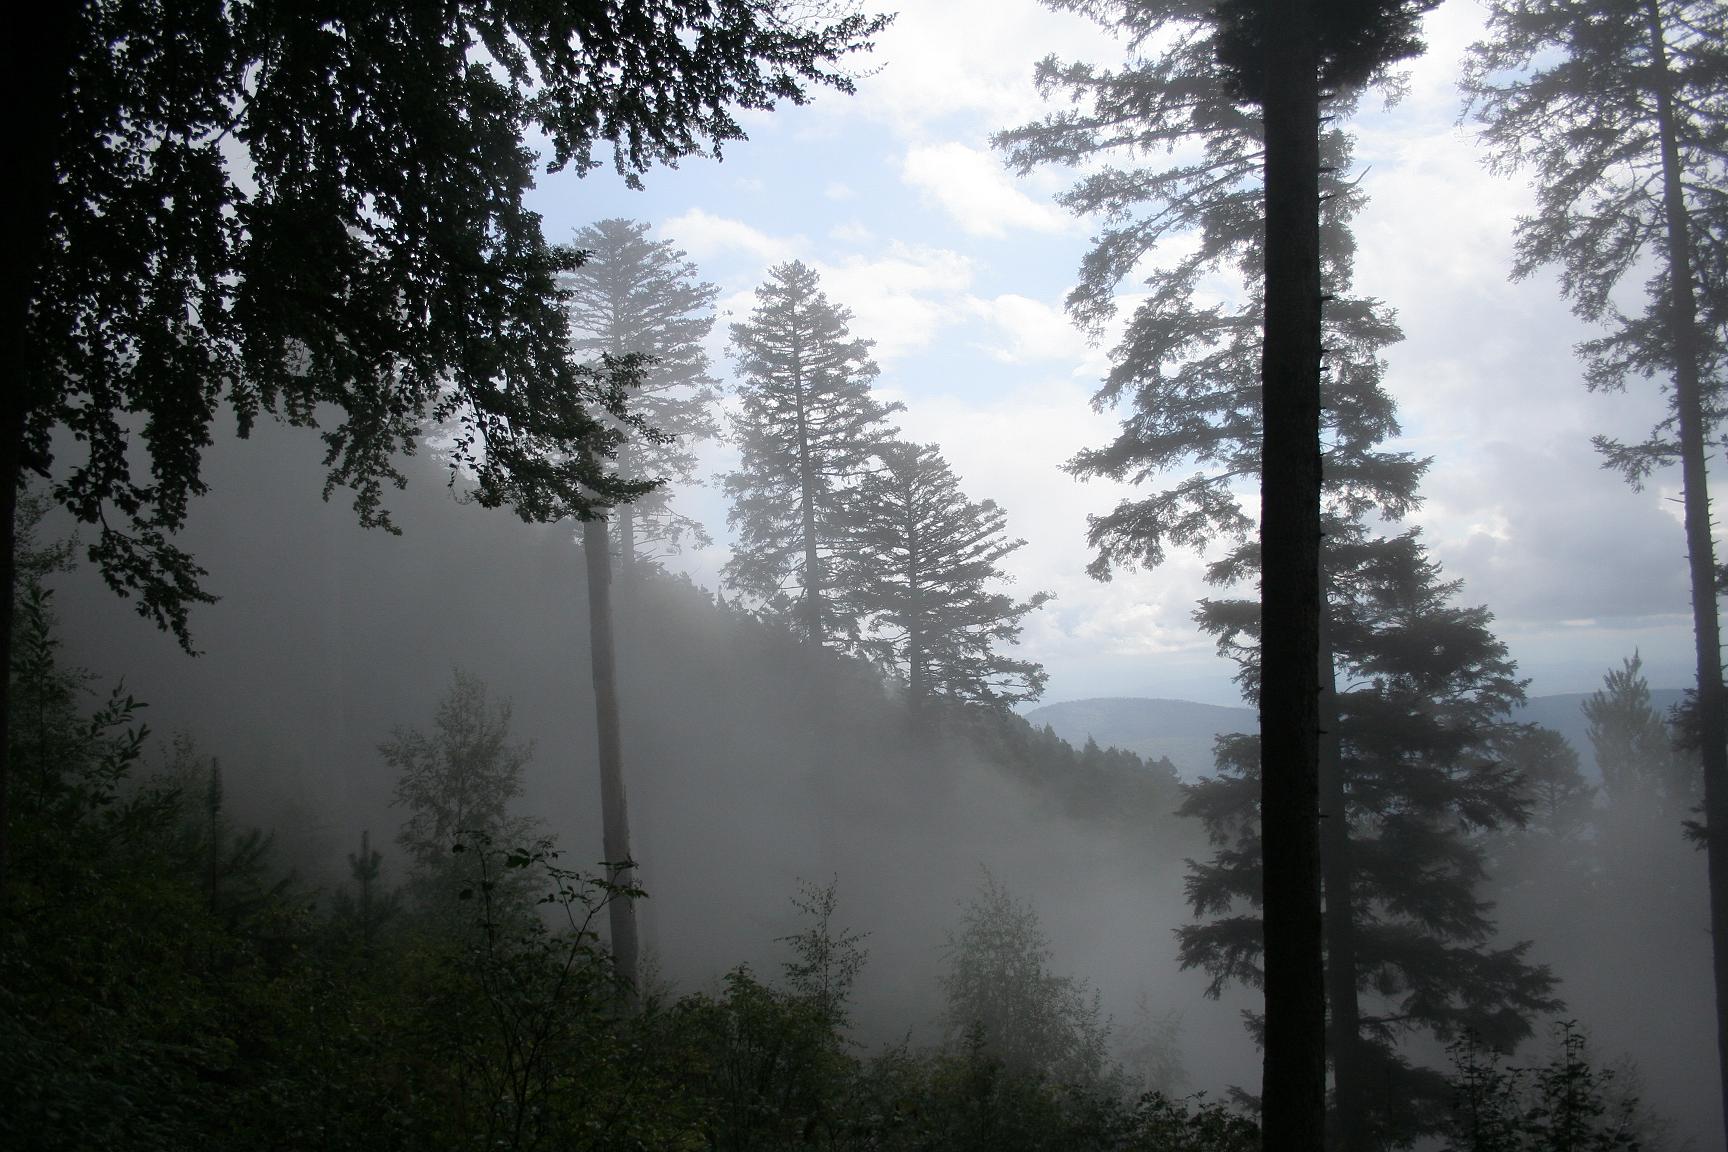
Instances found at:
x=1700 y=548
x=1344 y=1017
x=614 y=810
x=35 y=79
x=1294 y=1089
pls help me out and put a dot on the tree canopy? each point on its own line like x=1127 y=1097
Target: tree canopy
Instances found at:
x=807 y=427
x=316 y=212
x=917 y=571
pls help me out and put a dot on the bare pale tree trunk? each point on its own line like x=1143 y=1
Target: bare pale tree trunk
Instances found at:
x=614 y=809
x=1700 y=547
x=1294 y=1089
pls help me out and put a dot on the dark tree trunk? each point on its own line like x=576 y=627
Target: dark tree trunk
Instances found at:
x=614 y=810
x=1700 y=548
x=40 y=50
x=1344 y=1018
x=1294 y=1089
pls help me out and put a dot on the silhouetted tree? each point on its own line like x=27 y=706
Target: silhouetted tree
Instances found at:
x=1194 y=373
x=1419 y=728
x=1618 y=108
x=807 y=427
x=916 y=570
x=632 y=296
x=316 y=211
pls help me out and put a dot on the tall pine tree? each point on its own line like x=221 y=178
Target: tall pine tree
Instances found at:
x=633 y=296
x=918 y=571
x=1618 y=108
x=807 y=428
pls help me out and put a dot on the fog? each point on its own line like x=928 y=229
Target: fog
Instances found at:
x=1037 y=297
x=744 y=779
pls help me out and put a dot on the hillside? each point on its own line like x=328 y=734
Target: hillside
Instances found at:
x=1184 y=731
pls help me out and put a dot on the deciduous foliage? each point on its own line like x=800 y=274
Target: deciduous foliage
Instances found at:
x=917 y=571
x=807 y=428
x=1618 y=109
x=1003 y=997
x=457 y=781
x=316 y=211
x=633 y=296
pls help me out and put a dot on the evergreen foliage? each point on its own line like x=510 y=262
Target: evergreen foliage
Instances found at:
x=1618 y=108
x=1635 y=749
x=807 y=428
x=633 y=296
x=1421 y=731
x=916 y=570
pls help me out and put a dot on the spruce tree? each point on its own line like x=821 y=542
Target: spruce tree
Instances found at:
x=1636 y=748
x=1618 y=108
x=1192 y=376
x=633 y=296
x=917 y=570
x=807 y=428
x=1420 y=729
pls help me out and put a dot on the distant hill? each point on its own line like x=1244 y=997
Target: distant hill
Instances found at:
x=1181 y=730
x=1184 y=731
x=1565 y=714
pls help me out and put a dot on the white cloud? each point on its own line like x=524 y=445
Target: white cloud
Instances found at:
x=838 y=190
x=902 y=297
x=972 y=187
x=704 y=235
x=969 y=58
x=852 y=233
x=1025 y=330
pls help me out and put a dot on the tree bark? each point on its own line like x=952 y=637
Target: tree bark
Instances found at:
x=37 y=74
x=614 y=810
x=1700 y=548
x=1294 y=1089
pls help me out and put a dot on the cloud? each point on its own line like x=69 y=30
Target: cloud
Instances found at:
x=1025 y=330
x=704 y=235
x=838 y=190
x=902 y=297
x=972 y=187
x=971 y=60
x=852 y=233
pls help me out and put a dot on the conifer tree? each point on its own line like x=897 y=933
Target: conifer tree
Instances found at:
x=1635 y=747
x=917 y=569
x=1194 y=379
x=807 y=429
x=1420 y=730
x=633 y=296
x=1618 y=109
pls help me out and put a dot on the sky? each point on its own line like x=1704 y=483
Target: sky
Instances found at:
x=958 y=270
